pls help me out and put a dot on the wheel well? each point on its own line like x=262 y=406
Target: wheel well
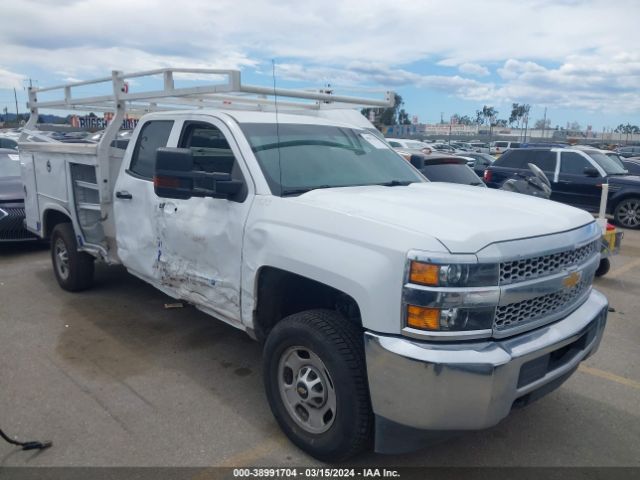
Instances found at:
x=621 y=198
x=282 y=293
x=51 y=219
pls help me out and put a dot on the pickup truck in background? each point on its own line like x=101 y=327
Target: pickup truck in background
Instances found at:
x=390 y=307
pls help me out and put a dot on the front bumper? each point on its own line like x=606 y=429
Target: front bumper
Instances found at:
x=473 y=385
x=12 y=227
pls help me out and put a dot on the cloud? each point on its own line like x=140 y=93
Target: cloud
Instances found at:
x=540 y=50
x=473 y=69
x=10 y=79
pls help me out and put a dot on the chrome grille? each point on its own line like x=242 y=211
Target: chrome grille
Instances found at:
x=11 y=224
x=515 y=314
x=529 y=268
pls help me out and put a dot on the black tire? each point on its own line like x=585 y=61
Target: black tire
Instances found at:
x=76 y=273
x=603 y=267
x=627 y=213
x=340 y=346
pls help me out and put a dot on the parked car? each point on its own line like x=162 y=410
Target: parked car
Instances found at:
x=446 y=168
x=7 y=142
x=499 y=147
x=632 y=165
x=576 y=177
x=410 y=145
x=479 y=161
x=12 y=199
x=480 y=147
x=443 y=147
x=629 y=151
x=464 y=146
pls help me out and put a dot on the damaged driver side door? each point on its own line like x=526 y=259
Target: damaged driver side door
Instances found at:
x=200 y=239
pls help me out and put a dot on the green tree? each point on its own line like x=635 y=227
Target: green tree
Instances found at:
x=403 y=117
x=389 y=115
x=486 y=116
x=518 y=112
x=542 y=124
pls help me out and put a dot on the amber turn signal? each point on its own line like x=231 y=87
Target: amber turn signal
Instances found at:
x=424 y=273
x=423 y=318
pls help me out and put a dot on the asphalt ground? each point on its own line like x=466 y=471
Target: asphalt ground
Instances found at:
x=115 y=379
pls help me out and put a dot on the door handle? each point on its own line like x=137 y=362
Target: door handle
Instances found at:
x=124 y=195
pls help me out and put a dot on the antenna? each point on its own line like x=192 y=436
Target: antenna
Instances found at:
x=275 y=102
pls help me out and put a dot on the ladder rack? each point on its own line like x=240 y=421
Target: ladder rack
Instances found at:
x=223 y=90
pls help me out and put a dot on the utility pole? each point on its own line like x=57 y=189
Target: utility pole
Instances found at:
x=544 y=124
x=15 y=95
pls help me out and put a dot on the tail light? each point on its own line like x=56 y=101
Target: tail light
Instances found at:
x=487 y=175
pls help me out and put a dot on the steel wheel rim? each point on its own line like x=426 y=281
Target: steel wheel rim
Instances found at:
x=629 y=213
x=307 y=390
x=61 y=258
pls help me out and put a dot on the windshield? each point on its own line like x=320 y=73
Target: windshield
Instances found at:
x=9 y=165
x=615 y=157
x=296 y=158
x=609 y=165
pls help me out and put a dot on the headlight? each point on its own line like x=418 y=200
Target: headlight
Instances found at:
x=449 y=319
x=453 y=274
x=446 y=296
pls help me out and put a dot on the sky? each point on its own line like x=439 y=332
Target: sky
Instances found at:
x=576 y=58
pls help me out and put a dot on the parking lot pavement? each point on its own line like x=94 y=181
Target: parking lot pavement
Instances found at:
x=115 y=379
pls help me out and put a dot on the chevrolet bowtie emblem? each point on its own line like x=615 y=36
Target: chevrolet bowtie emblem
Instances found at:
x=571 y=280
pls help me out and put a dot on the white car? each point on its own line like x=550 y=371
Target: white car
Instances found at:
x=499 y=147
x=410 y=144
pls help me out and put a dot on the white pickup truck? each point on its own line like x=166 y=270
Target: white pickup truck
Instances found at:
x=390 y=308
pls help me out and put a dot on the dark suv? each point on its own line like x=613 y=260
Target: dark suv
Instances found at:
x=576 y=178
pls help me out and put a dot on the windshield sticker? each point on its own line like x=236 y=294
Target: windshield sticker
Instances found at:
x=374 y=141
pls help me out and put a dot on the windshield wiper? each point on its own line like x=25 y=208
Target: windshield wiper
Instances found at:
x=300 y=191
x=395 y=183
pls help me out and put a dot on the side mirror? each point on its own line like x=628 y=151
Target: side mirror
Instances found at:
x=417 y=161
x=175 y=177
x=172 y=174
x=591 y=172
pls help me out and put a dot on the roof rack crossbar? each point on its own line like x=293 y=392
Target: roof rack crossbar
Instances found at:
x=226 y=87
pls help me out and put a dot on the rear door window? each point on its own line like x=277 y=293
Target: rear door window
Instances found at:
x=153 y=135
x=545 y=161
x=514 y=159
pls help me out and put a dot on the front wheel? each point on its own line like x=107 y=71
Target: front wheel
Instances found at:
x=73 y=269
x=627 y=213
x=603 y=267
x=316 y=383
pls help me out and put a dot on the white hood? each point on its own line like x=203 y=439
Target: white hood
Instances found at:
x=464 y=218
